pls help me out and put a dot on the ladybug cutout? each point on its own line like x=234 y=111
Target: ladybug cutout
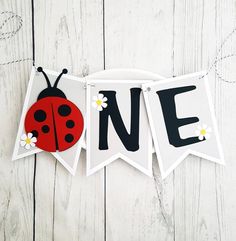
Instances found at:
x=56 y=122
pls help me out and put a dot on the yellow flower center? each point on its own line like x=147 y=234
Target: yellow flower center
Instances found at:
x=98 y=102
x=27 y=140
x=203 y=132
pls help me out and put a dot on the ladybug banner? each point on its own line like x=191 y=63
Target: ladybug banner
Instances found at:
x=125 y=111
x=182 y=120
x=117 y=125
x=53 y=117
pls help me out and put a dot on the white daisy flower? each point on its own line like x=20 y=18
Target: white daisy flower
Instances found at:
x=99 y=102
x=28 y=140
x=203 y=132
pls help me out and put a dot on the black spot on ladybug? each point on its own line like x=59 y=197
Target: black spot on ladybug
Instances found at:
x=35 y=133
x=70 y=124
x=45 y=129
x=69 y=138
x=64 y=110
x=40 y=115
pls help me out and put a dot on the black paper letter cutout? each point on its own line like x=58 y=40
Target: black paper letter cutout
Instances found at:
x=167 y=99
x=130 y=141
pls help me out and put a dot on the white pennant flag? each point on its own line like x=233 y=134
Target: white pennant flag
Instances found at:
x=52 y=117
x=117 y=125
x=182 y=120
x=135 y=77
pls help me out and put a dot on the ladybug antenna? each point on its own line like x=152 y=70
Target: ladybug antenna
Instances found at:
x=40 y=69
x=64 y=71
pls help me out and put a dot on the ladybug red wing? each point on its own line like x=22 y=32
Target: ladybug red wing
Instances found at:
x=39 y=121
x=56 y=122
x=69 y=123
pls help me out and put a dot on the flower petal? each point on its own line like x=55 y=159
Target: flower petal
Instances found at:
x=99 y=108
x=208 y=129
x=104 y=99
x=207 y=136
x=32 y=144
x=100 y=96
x=22 y=143
x=104 y=105
x=199 y=128
x=33 y=139
x=204 y=126
x=27 y=146
x=23 y=137
x=200 y=137
x=94 y=104
x=197 y=132
x=30 y=135
x=95 y=98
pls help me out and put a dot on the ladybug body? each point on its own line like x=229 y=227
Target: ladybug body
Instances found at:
x=56 y=122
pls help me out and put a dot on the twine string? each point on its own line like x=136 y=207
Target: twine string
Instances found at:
x=12 y=16
x=219 y=59
x=10 y=34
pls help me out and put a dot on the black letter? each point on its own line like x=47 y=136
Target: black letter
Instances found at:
x=167 y=99
x=130 y=141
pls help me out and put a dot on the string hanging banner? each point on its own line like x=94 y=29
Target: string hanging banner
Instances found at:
x=122 y=117
x=117 y=125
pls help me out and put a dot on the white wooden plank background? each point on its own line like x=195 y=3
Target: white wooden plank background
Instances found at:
x=39 y=200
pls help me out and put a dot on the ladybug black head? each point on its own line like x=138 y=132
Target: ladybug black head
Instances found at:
x=51 y=91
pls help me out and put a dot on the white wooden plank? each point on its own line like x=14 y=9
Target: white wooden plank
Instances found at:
x=68 y=34
x=199 y=195
x=225 y=102
x=16 y=178
x=138 y=34
x=195 y=202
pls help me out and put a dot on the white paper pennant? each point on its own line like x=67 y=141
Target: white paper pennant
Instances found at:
x=115 y=80
x=74 y=90
x=117 y=133
x=178 y=111
x=182 y=120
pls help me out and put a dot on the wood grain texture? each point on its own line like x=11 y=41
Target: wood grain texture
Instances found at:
x=139 y=34
x=68 y=34
x=16 y=212
x=225 y=109
x=172 y=37
x=200 y=208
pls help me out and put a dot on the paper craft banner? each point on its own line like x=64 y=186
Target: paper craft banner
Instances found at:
x=52 y=117
x=182 y=120
x=117 y=125
x=125 y=110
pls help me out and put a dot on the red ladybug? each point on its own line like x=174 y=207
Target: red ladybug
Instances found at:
x=56 y=122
